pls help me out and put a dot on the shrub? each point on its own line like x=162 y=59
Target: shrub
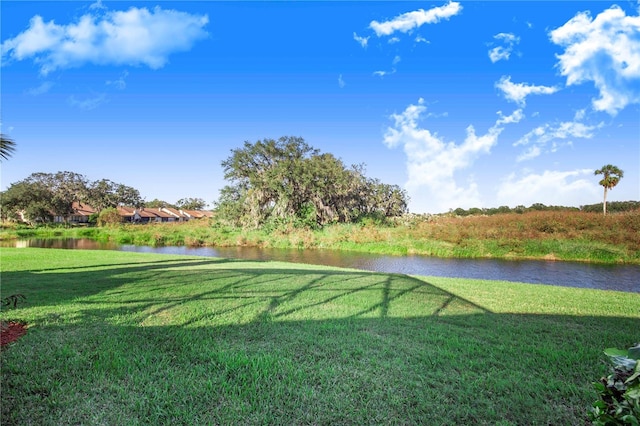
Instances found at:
x=619 y=402
x=109 y=217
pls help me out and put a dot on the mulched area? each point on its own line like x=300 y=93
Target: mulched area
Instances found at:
x=11 y=331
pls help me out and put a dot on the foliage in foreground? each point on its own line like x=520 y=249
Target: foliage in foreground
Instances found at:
x=7 y=146
x=619 y=402
x=130 y=338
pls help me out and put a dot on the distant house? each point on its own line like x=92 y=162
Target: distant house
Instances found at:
x=144 y=216
x=177 y=214
x=128 y=214
x=161 y=215
x=197 y=214
x=80 y=214
x=147 y=215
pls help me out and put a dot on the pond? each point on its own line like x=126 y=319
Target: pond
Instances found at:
x=569 y=274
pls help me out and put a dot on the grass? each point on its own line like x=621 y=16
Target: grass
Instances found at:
x=558 y=235
x=130 y=338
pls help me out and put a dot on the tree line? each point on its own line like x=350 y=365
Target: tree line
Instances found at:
x=271 y=182
x=42 y=196
x=612 y=207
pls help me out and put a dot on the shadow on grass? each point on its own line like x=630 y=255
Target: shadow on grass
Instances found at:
x=468 y=369
x=46 y=285
x=209 y=342
x=284 y=290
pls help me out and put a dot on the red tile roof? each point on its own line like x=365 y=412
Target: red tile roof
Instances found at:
x=198 y=214
x=81 y=209
x=125 y=211
x=151 y=213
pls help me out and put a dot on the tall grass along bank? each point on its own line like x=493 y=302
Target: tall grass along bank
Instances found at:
x=141 y=339
x=550 y=235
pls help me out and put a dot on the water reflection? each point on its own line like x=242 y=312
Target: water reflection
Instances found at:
x=63 y=243
x=570 y=274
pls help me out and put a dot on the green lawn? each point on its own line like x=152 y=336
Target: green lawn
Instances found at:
x=120 y=338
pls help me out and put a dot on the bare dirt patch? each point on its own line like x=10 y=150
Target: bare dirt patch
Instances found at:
x=10 y=331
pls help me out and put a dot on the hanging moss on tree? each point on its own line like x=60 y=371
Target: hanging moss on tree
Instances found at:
x=288 y=180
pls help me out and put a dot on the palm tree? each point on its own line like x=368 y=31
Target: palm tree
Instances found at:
x=612 y=176
x=7 y=146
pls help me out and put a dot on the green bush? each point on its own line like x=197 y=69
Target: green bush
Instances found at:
x=109 y=217
x=619 y=402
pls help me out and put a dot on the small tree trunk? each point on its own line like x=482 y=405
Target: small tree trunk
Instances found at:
x=604 y=202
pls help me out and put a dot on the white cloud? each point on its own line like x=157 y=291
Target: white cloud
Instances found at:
x=557 y=135
x=605 y=51
x=410 y=20
x=498 y=53
x=120 y=83
x=515 y=117
x=394 y=62
x=341 y=82
x=420 y=39
x=132 y=37
x=364 y=41
x=383 y=73
x=560 y=188
x=503 y=52
x=40 y=90
x=432 y=162
x=393 y=40
x=530 y=153
x=88 y=104
x=97 y=5
x=518 y=92
x=437 y=115
x=508 y=38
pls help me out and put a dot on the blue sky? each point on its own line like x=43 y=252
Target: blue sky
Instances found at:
x=463 y=104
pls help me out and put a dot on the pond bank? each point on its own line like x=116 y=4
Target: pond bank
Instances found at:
x=561 y=236
x=566 y=274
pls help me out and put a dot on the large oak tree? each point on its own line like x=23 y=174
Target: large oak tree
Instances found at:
x=288 y=180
